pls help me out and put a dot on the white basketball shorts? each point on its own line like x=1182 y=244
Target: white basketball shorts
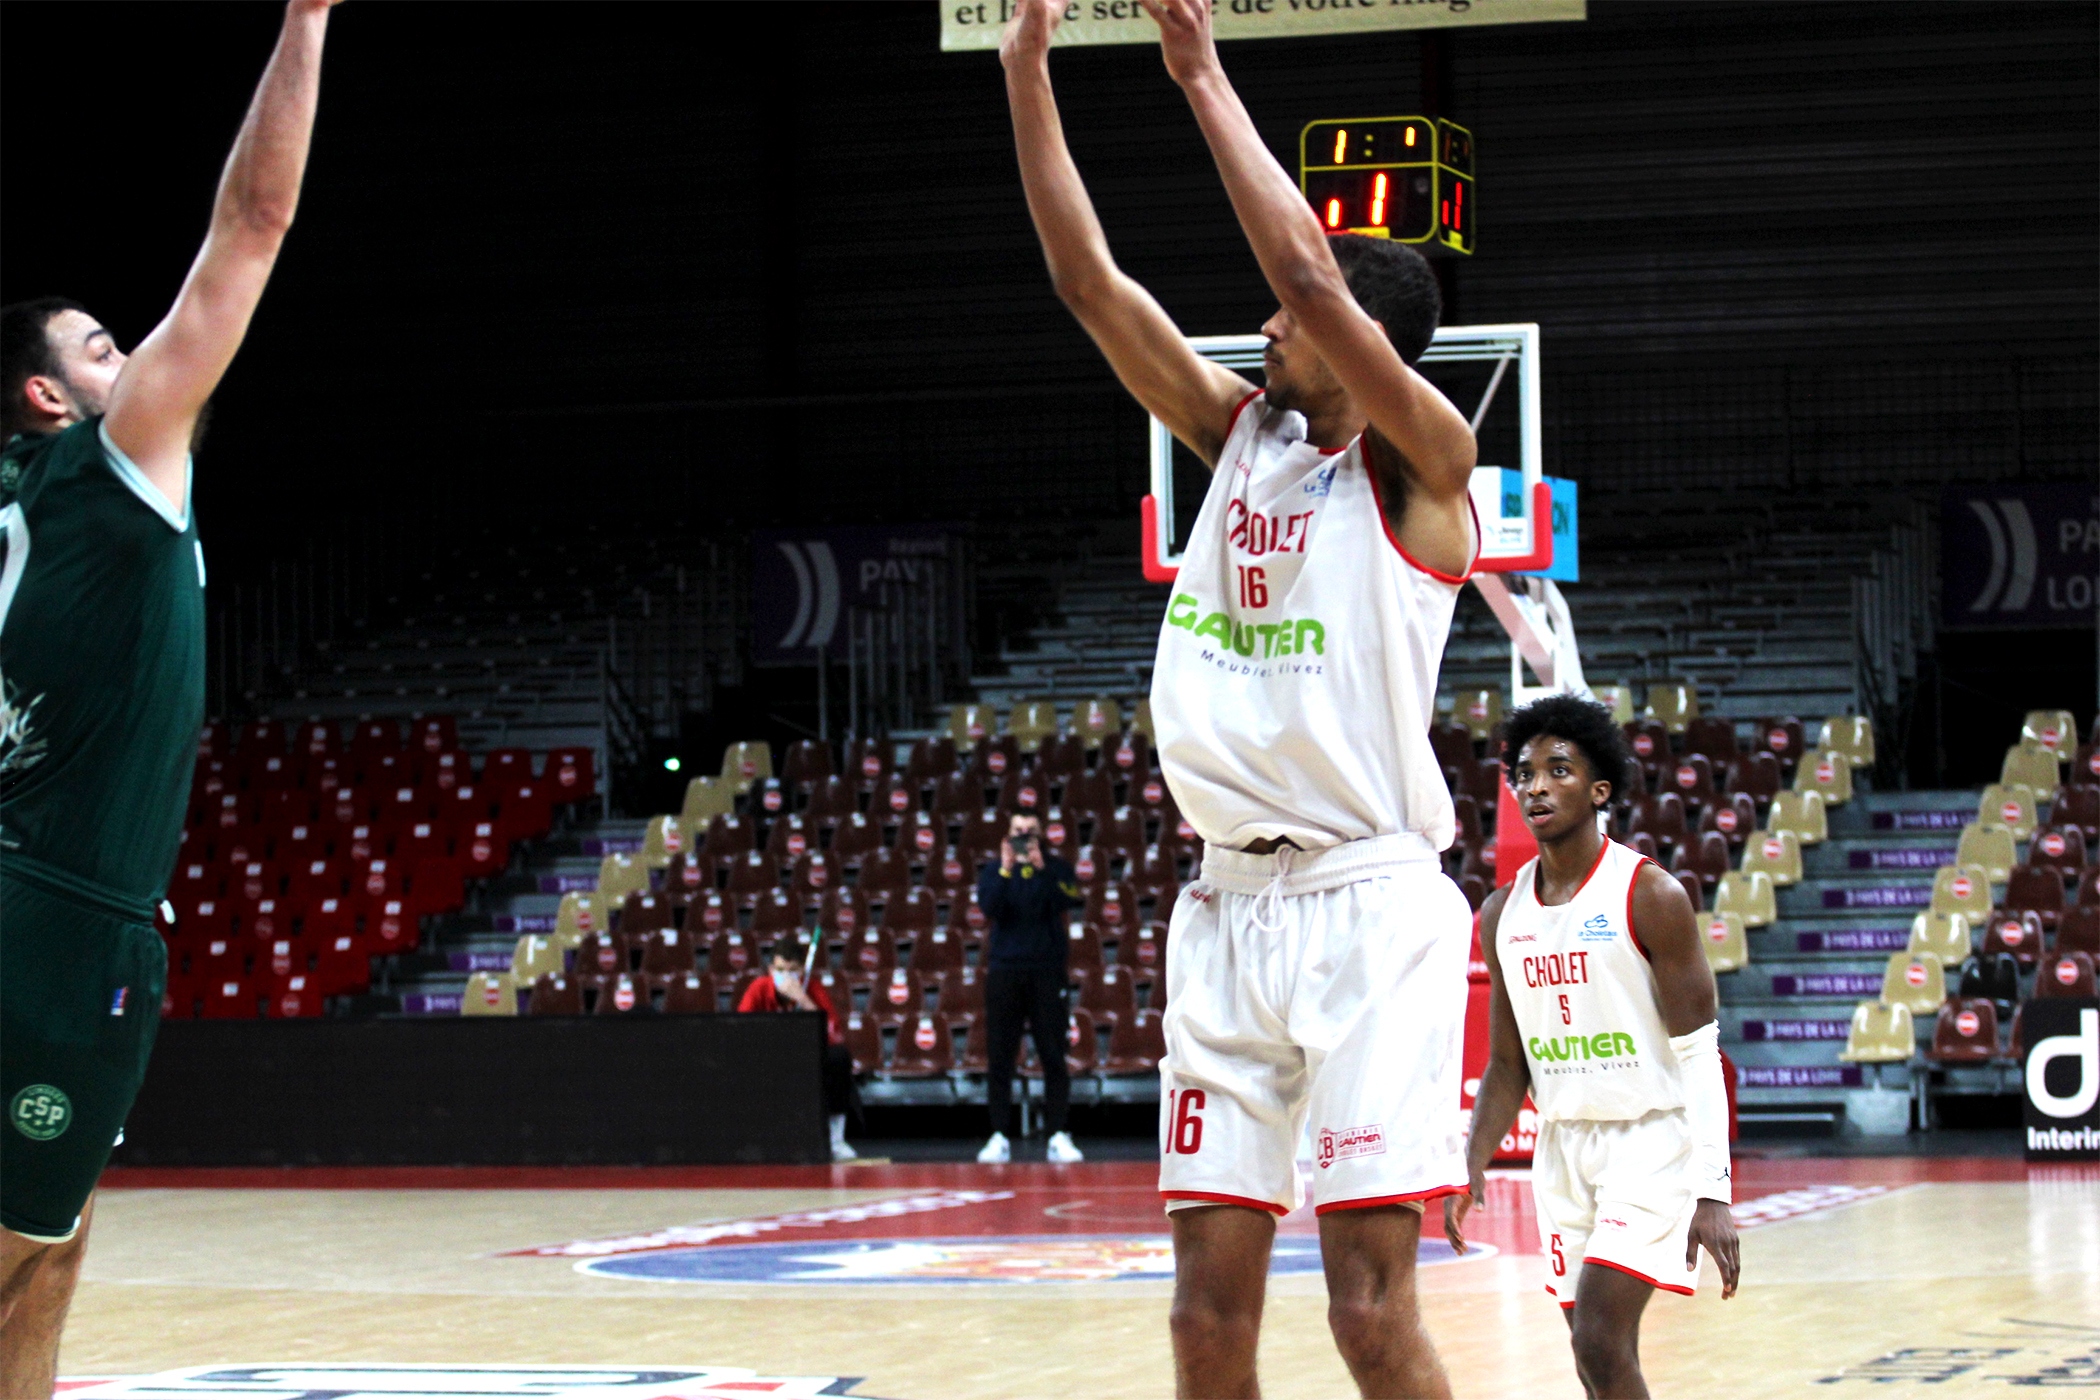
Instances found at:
x=1616 y=1193
x=1329 y=983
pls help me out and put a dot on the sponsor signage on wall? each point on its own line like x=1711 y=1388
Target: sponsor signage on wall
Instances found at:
x=804 y=582
x=975 y=24
x=2020 y=555
x=2062 y=1078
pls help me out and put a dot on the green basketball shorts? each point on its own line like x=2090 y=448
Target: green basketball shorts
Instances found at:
x=80 y=988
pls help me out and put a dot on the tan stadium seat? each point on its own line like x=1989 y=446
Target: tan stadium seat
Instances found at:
x=1727 y=945
x=1803 y=813
x=1880 y=1035
x=1097 y=720
x=533 y=955
x=1616 y=698
x=2010 y=806
x=1480 y=711
x=2031 y=765
x=745 y=762
x=1032 y=722
x=1777 y=853
x=1749 y=895
x=1141 y=718
x=579 y=916
x=1963 y=890
x=2053 y=730
x=1825 y=771
x=707 y=797
x=1852 y=736
x=1990 y=847
x=663 y=841
x=620 y=875
x=1673 y=705
x=489 y=994
x=1914 y=980
x=970 y=724
x=1945 y=936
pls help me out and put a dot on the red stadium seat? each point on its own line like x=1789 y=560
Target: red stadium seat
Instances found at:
x=959 y=992
x=2079 y=804
x=663 y=951
x=1966 y=1033
x=622 y=994
x=555 y=994
x=1061 y=756
x=1082 y=1046
x=863 y=1036
x=923 y=1049
x=806 y=762
x=1715 y=738
x=684 y=993
x=1128 y=758
x=2078 y=930
x=1782 y=737
x=855 y=839
x=753 y=874
x=937 y=950
x=1137 y=1044
x=1092 y=869
x=731 y=955
x=2058 y=846
x=389 y=926
x=523 y=811
x=341 y=964
x=872 y=950
x=1114 y=907
x=898 y=994
x=1706 y=857
x=2065 y=975
x=2039 y=888
x=1692 y=779
x=482 y=851
x=1661 y=815
x=2014 y=931
x=1694 y=888
x=776 y=915
x=1110 y=992
x=1083 y=950
x=790 y=838
x=235 y=999
x=572 y=774
x=295 y=997
x=180 y=997
x=2089 y=885
x=1734 y=816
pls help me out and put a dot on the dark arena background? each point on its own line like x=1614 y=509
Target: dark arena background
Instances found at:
x=661 y=509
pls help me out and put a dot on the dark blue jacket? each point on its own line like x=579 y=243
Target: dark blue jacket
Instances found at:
x=1026 y=908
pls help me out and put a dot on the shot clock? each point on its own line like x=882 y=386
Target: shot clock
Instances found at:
x=1405 y=178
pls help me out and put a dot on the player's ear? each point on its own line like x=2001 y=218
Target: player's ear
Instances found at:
x=46 y=395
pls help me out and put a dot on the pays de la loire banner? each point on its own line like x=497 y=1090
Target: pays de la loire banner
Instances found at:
x=2020 y=554
x=975 y=24
x=803 y=582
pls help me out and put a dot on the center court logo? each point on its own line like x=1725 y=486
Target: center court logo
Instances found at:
x=40 y=1112
x=456 y=1382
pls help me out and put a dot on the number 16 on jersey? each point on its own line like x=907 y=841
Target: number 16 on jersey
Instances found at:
x=1185 y=1121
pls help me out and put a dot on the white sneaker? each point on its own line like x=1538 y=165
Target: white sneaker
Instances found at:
x=1062 y=1149
x=840 y=1151
x=996 y=1149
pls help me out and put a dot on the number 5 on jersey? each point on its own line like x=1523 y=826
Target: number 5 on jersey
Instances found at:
x=1185 y=1121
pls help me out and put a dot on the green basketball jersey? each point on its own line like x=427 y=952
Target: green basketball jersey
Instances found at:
x=101 y=666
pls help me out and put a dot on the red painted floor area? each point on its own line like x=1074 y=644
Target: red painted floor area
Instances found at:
x=1095 y=1198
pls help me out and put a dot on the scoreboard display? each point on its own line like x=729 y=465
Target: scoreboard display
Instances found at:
x=1405 y=178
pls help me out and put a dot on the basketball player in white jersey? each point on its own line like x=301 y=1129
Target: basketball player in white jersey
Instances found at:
x=1316 y=968
x=1603 y=1009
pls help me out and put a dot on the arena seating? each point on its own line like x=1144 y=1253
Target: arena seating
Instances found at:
x=309 y=850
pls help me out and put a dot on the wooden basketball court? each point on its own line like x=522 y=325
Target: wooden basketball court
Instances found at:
x=1947 y=1277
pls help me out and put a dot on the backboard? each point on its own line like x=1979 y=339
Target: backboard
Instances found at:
x=1508 y=545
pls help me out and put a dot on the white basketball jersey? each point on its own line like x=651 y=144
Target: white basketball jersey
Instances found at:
x=1297 y=666
x=1584 y=996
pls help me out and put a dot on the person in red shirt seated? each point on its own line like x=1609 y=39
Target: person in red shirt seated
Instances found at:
x=784 y=991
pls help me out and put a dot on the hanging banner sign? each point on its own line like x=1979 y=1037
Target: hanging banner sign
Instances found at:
x=975 y=24
x=2020 y=554
x=804 y=581
x=2062 y=1076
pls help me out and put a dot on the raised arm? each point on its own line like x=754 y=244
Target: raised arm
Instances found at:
x=163 y=387
x=1193 y=396
x=1406 y=409
x=1503 y=1084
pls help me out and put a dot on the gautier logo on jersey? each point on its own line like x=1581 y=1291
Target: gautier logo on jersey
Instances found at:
x=1302 y=637
x=1604 y=1045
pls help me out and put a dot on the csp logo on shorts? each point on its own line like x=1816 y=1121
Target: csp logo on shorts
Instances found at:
x=40 y=1112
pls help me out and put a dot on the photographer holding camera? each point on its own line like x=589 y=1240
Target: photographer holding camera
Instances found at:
x=1026 y=899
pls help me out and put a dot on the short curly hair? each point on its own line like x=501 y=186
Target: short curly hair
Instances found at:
x=1396 y=287
x=1584 y=723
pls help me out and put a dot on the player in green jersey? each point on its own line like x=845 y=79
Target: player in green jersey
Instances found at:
x=102 y=694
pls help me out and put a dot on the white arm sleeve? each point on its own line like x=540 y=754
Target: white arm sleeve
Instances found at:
x=1705 y=1110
